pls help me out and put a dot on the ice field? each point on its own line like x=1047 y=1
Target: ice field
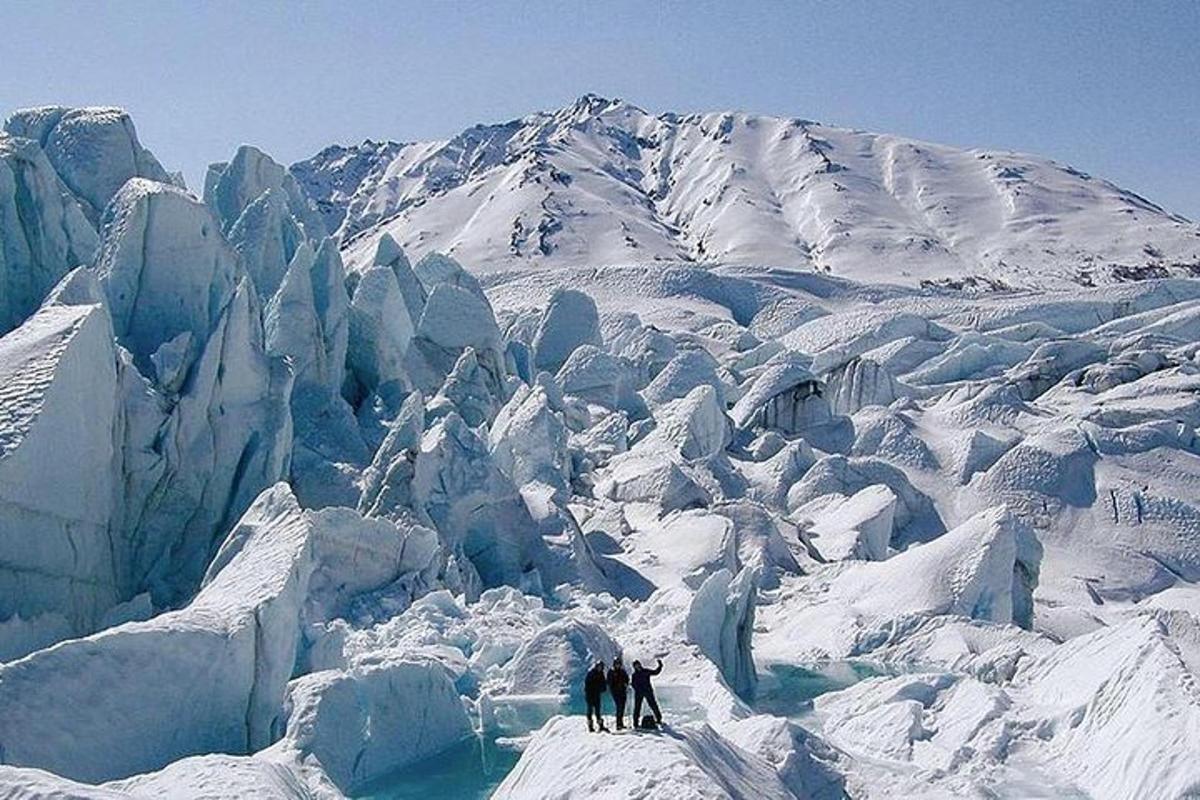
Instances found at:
x=333 y=480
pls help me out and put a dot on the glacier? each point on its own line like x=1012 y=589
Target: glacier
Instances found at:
x=332 y=480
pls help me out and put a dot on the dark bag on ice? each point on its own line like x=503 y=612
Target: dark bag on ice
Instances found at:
x=649 y=723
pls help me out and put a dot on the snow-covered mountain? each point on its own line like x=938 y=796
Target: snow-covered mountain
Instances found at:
x=604 y=182
x=280 y=525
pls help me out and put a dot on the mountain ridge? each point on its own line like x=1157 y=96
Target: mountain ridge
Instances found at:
x=601 y=181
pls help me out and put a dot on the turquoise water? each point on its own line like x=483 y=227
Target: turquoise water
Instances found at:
x=474 y=768
x=788 y=690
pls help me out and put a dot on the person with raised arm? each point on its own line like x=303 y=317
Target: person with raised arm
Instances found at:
x=644 y=691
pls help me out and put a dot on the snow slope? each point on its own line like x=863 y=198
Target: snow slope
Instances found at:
x=605 y=182
x=563 y=761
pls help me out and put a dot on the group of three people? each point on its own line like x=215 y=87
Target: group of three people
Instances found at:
x=617 y=681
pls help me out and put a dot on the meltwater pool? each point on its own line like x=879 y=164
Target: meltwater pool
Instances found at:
x=474 y=768
x=788 y=690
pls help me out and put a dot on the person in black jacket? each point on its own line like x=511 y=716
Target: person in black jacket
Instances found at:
x=593 y=690
x=642 y=690
x=618 y=687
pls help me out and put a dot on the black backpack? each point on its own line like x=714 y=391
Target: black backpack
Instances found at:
x=649 y=723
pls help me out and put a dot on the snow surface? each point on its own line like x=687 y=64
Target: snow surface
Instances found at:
x=564 y=761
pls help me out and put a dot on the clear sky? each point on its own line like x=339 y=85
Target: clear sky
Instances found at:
x=1112 y=88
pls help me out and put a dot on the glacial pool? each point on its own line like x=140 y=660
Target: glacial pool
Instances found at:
x=474 y=768
x=788 y=690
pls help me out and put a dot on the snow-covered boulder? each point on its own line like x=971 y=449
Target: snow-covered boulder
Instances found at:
x=359 y=724
x=785 y=395
x=650 y=477
x=555 y=660
x=477 y=509
x=94 y=150
x=683 y=373
x=720 y=621
x=529 y=441
x=847 y=476
x=453 y=319
x=694 y=426
x=597 y=376
x=858 y=527
x=691 y=762
x=468 y=391
x=859 y=383
x=569 y=320
x=984 y=569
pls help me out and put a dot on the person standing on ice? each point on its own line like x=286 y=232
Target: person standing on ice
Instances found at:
x=642 y=690
x=593 y=691
x=618 y=687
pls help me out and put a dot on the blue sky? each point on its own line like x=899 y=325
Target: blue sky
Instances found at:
x=1110 y=87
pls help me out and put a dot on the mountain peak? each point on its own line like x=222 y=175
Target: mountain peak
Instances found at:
x=593 y=101
x=593 y=105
